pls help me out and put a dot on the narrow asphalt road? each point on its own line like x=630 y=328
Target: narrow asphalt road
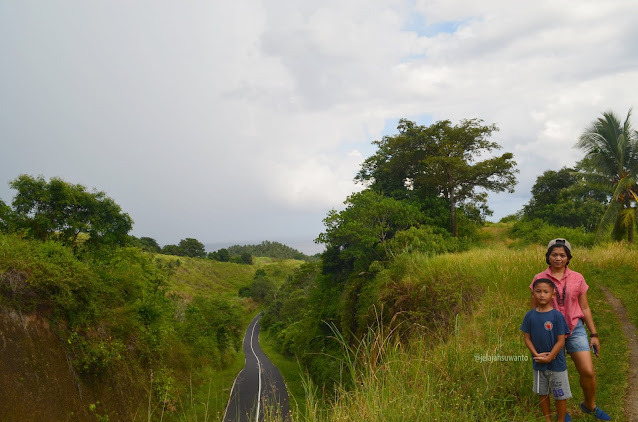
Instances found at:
x=259 y=379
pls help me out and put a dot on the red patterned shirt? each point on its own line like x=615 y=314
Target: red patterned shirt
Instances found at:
x=576 y=286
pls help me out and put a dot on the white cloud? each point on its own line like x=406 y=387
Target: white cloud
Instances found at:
x=252 y=110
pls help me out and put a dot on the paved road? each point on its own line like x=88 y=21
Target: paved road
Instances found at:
x=259 y=378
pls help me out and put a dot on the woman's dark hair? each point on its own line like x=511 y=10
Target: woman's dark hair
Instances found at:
x=544 y=280
x=558 y=245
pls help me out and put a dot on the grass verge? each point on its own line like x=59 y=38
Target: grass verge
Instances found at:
x=473 y=373
x=289 y=369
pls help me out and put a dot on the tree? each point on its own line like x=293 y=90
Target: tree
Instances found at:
x=262 y=287
x=5 y=216
x=358 y=235
x=192 y=247
x=62 y=211
x=221 y=255
x=172 y=250
x=440 y=160
x=149 y=244
x=611 y=155
x=562 y=198
x=246 y=258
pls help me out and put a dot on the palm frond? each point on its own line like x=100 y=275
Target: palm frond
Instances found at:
x=611 y=213
x=627 y=217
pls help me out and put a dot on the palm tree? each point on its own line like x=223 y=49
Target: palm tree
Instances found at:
x=611 y=152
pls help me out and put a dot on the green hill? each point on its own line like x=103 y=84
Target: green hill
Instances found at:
x=446 y=344
x=123 y=328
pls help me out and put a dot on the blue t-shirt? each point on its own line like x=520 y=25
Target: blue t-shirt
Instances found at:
x=544 y=329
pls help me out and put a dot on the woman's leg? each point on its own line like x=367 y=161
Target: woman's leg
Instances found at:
x=585 y=368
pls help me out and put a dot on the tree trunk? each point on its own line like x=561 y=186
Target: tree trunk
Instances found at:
x=453 y=213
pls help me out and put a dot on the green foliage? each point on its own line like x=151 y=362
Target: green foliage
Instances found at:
x=221 y=255
x=187 y=247
x=246 y=258
x=427 y=239
x=538 y=232
x=5 y=217
x=358 y=235
x=563 y=198
x=114 y=306
x=611 y=155
x=463 y=308
x=266 y=248
x=440 y=160
x=261 y=289
x=59 y=210
x=172 y=250
x=149 y=244
x=192 y=247
x=213 y=328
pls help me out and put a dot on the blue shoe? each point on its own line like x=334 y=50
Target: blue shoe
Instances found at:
x=597 y=412
x=567 y=417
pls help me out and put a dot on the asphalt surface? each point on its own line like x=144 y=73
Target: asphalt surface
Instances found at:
x=259 y=379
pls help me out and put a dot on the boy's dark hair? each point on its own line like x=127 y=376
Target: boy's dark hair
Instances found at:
x=544 y=280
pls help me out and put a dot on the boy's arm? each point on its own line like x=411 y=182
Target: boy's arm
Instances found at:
x=548 y=357
x=529 y=344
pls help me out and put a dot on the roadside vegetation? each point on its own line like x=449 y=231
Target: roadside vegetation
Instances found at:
x=411 y=313
x=441 y=286
x=446 y=367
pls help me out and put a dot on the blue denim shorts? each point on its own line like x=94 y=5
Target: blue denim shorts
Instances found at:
x=577 y=341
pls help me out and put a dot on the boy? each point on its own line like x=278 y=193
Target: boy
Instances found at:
x=544 y=329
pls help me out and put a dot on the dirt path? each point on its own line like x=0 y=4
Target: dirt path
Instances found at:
x=629 y=330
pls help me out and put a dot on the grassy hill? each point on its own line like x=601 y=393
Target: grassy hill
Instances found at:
x=128 y=333
x=471 y=364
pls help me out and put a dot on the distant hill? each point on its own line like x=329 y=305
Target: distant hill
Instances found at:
x=268 y=249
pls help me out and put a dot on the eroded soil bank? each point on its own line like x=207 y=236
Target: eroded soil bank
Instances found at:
x=37 y=382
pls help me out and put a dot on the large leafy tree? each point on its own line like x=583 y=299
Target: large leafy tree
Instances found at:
x=440 y=160
x=192 y=247
x=149 y=244
x=358 y=235
x=562 y=198
x=62 y=211
x=611 y=155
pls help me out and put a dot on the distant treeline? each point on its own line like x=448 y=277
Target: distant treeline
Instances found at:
x=268 y=249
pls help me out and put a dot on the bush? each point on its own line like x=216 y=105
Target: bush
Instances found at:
x=539 y=232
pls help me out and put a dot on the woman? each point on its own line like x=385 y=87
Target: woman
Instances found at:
x=571 y=301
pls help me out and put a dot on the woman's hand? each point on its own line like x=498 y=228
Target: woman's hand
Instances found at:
x=595 y=343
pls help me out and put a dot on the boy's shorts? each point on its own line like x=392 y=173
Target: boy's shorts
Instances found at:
x=555 y=381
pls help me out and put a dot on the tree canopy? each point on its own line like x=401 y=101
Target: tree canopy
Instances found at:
x=192 y=247
x=60 y=210
x=611 y=153
x=440 y=160
x=563 y=198
x=149 y=244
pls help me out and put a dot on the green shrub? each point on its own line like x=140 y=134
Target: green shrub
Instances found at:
x=539 y=232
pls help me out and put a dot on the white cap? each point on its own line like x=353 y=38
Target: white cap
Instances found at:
x=561 y=242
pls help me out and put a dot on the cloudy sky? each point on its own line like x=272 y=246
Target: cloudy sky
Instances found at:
x=246 y=120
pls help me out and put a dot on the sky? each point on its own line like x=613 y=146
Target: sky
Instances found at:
x=246 y=120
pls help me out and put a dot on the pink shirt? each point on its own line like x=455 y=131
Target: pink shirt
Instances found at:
x=576 y=286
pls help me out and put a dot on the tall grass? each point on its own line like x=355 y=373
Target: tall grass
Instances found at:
x=473 y=367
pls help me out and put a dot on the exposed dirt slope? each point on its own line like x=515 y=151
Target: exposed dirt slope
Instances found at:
x=38 y=384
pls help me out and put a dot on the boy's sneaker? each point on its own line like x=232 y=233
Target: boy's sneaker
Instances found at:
x=597 y=412
x=567 y=417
